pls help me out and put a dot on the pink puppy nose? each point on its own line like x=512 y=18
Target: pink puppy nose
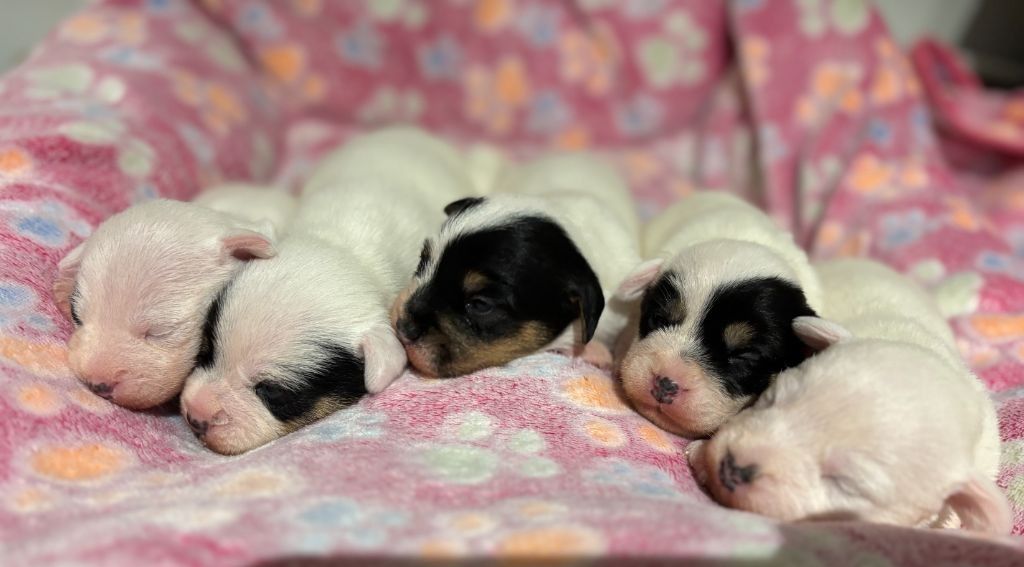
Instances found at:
x=203 y=411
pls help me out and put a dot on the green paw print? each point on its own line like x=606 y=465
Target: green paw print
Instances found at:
x=481 y=449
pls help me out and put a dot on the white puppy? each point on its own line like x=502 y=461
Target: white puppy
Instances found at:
x=885 y=424
x=138 y=289
x=715 y=323
x=294 y=339
x=512 y=273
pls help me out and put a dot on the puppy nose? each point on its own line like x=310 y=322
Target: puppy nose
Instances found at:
x=408 y=330
x=733 y=475
x=102 y=389
x=664 y=389
x=199 y=427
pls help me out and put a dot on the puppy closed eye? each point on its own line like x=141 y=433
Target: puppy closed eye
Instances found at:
x=272 y=395
x=73 y=303
x=844 y=485
x=479 y=306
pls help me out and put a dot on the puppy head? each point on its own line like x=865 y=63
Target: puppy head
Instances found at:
x=828 y=441
x=290 y=341
x=715 y=326
x=138 y=290
x=494 y=286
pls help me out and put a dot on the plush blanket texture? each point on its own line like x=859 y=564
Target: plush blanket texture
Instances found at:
x=806 y=107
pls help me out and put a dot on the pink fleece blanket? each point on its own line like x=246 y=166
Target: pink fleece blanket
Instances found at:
x=806 y=107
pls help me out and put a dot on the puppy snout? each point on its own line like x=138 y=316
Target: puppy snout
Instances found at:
x=732 y=475
x=664 y=389
x=199 y=427
x=102 y=389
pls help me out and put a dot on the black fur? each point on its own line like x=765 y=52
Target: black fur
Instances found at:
x=660 y=306
x=204 y=358
x=340 y=376
x=456 y=207
x=767 y=305
x=73 y=304
x=424 y=258
x=535 y=273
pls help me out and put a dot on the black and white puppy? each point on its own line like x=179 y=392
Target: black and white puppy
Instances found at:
x=294 y=340
x=716 y=318
x=524 y=269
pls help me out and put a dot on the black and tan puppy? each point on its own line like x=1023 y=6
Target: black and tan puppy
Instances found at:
x=525 y=269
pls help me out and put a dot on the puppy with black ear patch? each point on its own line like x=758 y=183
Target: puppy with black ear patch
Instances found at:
x=715 y=322
x=523 y=269
x=307 y=334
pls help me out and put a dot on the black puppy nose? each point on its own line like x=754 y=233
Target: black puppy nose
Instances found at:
x=733 y=475
x=198 y=427
x=664 y=390
x=105 y=391
x=408 y=330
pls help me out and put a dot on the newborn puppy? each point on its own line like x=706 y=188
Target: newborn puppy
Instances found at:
x=294 y=339
x=138 y=289
x=715 y=322
x=886 y=424
x=512 y=273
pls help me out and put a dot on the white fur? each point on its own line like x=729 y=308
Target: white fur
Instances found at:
x=714 y=217
x=253 y=203
x=886 y=424
x=145 y=279
x=355 y=242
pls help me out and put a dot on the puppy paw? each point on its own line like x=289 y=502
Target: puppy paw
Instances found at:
x=593 y=353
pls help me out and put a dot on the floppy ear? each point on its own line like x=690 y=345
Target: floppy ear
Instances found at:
x=248 y=244
x=64 y=283
x=637 y=281
x=819 y=333
x=981 y=506
x=385 y=358
x=585 y=292
x=456 y=207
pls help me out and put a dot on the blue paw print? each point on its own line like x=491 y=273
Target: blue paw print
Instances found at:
x=642 y=480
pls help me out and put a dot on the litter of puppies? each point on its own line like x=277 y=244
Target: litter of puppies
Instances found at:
x=811 y=390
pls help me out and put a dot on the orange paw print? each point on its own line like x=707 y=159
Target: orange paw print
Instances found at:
x=833 y=86
x=494 y=97
x=589 y=59
x=868 y=174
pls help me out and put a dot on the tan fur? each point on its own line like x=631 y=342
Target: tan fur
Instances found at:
x=471 y=353
x=738 y=334
x=474 y=282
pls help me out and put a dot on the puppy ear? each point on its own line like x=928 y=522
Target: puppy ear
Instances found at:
x=385 y=358
x=981 y=506
x=64 y=283
x=637 y=281
x=819 y=333
x=585 y=292
x=456 y=207
x=250 y=243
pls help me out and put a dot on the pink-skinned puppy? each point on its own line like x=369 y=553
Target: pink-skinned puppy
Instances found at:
x=719 y=296
x=296 y=338
x=884 y=424
x=138 y=289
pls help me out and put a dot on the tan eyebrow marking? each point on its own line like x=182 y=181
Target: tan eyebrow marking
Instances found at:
x=474 y=282
x=738 y=334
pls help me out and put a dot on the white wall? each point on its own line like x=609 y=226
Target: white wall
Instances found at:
x=25 y=22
